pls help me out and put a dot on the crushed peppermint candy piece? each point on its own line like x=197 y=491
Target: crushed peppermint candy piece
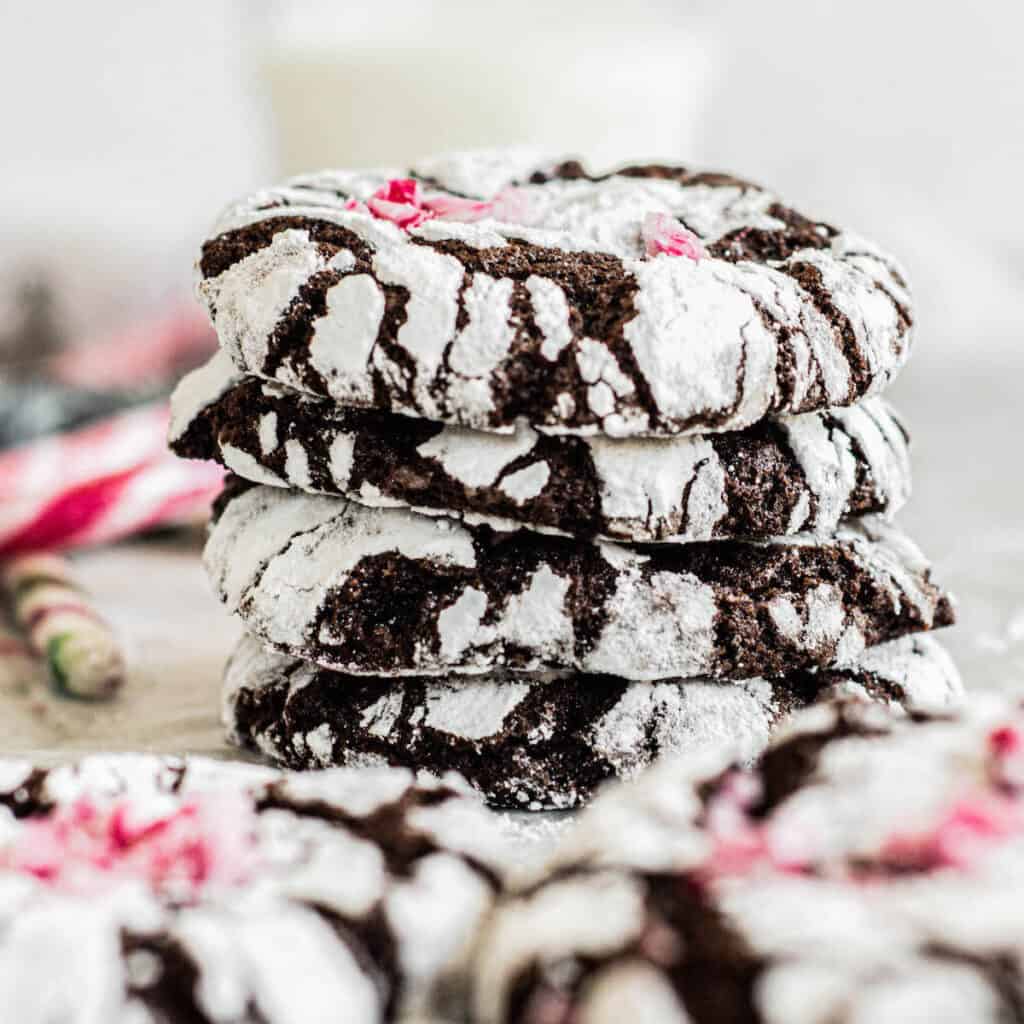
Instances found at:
x=87 y=845
x=1006 y=741
x=399 y=201
x=959 y=838
x=738 y=842
x=400 y=190
x=663 y=234
x=402 y=202
x=511 y=205
x=459 y=208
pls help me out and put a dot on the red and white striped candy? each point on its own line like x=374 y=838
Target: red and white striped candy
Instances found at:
x=98 y=484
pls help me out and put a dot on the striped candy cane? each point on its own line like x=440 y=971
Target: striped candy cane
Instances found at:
x=98 y=484
x=62 y=627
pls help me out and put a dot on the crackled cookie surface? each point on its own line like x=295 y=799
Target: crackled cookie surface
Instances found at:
x=486 y=288
x=158 y=891
x=871 y=868
x=386 y=591
x=794 y=474
x=544 y=741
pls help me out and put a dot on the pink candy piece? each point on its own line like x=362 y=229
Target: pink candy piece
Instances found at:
x=963 y=834
x=400 y=190
x=511 y=206
x=85 y=846
x=663 y=234
x=741 y=844
x=744 y=844
x=1006 y=741
x=1006 y=747
x=98 y=484
x=458 y=208
x=401 y=201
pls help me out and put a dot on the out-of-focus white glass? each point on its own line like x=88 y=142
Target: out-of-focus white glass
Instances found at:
x=364 y=84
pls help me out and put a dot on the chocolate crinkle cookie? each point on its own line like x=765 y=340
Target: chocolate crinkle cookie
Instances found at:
x=869 y=868
x=146 y=890
x=386 y=591
x=486 y=288
x=784 y=476
x=535 y=741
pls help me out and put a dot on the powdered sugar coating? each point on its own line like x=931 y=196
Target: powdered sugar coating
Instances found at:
x=529 y=741
x=335 y=862
x=778 y=314
x=199 y=390
x=310 y=575
x=832 y=465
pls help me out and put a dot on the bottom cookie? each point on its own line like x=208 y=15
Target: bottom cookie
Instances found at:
x=531 y=741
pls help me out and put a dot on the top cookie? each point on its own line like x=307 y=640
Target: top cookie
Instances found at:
x=488 y=288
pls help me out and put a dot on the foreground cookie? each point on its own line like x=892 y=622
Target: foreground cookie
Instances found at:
x=655 y=300
x=798 y=474
x=386 y=591
x=156 y=891
x=872 y=869
x=528 y=741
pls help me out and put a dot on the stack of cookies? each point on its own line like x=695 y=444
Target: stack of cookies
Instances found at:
x=538 y=475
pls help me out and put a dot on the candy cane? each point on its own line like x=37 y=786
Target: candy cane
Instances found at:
x=98 y=484
x=62 y=627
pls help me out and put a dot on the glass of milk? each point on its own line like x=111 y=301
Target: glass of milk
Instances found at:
x=364 y=84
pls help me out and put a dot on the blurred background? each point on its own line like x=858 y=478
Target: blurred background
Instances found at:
x=128 y=125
